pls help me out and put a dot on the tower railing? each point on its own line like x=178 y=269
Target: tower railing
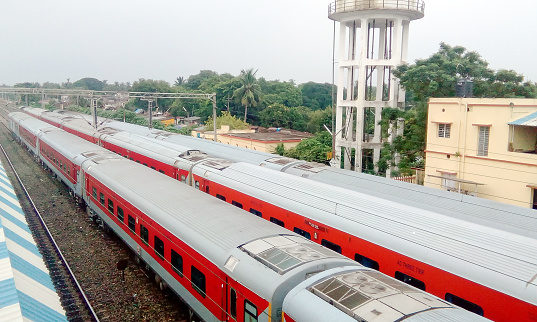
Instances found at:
x=340 y=6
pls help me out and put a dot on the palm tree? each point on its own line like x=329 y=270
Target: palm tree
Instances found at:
x=249 y=94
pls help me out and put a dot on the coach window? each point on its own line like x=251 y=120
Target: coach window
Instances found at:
x=137 y=161
x=120 y=215
x=332 y=246
x=144 y=234
x=410 y=280
x=145 y=164
x=161 y=171
x=177 y=263
x=153 y=168
x=159 y=247
x=131 y=159
x=302 y=233
x=94 y=192
x=465 y=304
x=197 y=185
x=220 y=197
x=277 y=221
x=198 y=280
x=132 y=224
x=233 y=303
x=110 y=206
x=101 y=198
x=256 y=212
x=367 y=262
x=250 y=312
x=236 y=204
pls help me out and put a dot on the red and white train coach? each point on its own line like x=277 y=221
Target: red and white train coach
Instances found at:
x=465 y=259
x=226 y=264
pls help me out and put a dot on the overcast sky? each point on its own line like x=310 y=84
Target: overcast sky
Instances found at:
x=124 y=40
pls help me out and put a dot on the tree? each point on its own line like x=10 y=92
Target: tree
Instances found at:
x=249 y=94
x=276 y=92
x=194 y=81
x=153 y=86
x=227 y=119
x=179 y=81
x=89 y=83
x=279 y=115
x=437 y=76
x=316 y=95
x=318 y=119
x=313 y=149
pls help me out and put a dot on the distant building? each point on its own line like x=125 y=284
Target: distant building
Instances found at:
x=259 y=139
x=484 y=147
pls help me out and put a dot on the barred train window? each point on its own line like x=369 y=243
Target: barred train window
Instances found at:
x=110 y=206
x=159 y=246
x=120 y=215
x=177 y=263
x=198 y=280
x=144 y=234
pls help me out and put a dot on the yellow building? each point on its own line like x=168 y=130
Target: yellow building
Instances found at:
x=484 y=147
x=264 y=140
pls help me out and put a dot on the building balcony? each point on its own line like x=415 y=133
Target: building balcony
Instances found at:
x=340 y=9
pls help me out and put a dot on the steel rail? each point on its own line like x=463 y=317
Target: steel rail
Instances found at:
x=49 y=234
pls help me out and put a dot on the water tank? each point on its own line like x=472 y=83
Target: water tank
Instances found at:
x=465 y=88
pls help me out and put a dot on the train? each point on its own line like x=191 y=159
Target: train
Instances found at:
x=452 y=249
x=226 y=264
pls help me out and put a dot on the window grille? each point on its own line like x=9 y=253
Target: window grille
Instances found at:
x=483 y=143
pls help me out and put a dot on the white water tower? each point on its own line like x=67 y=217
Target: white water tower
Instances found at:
x=373 y=40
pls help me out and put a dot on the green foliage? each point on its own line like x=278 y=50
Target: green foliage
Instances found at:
x=249 y=94
x=280 y=149
x=319 y=118
x=279 y=115
x=227 y=119
x=276 y=92
x=313 y=149
x=436 y=77
x=152 y=86
x=316 y=96
x=194 y=81
x=92 y=84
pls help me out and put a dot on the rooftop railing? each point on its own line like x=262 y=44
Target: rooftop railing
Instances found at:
x=340 y=6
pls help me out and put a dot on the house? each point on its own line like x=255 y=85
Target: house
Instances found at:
x=483 y=147
x=256 y=138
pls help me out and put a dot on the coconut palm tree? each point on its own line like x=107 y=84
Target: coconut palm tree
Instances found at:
x=249 y=94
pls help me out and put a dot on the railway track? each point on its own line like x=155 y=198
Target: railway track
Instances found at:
x=72 y=297
x=92 y=253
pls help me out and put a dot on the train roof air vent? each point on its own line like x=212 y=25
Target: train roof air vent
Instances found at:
x=283 y=253
x=360 y=293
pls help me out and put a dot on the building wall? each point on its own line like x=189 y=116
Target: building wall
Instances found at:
x=507 y=173
x=263 y=146
x=258 y=145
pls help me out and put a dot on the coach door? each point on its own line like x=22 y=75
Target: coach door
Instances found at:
x=229 y=302
x=232 y=304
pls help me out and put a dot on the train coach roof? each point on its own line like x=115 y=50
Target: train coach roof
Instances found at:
x=457 y=246
x=31 y=124
x=485 y=212
x=67 y=144
x=211 y=226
